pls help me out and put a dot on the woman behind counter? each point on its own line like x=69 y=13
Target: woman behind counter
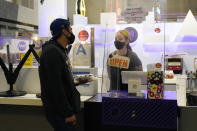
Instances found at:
x=121 y=43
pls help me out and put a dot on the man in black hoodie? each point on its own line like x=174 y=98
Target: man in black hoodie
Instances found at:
x=60 y=98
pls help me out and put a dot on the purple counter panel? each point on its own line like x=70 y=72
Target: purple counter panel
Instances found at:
x=139 y=112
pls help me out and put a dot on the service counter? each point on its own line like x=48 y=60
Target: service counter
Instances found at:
x=125 y=112
x=25 y=113
x=138 y=114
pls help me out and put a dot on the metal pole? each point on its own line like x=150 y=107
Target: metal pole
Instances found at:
x=92 y=49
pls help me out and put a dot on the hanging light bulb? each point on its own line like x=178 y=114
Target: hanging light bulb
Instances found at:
x=157 y=28
x=157 y=12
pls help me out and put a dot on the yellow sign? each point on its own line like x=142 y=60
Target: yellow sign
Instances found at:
x=29 y=61
x=80 y=7
x=119 y=61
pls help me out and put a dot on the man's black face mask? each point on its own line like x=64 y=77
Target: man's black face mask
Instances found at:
x=70 y=38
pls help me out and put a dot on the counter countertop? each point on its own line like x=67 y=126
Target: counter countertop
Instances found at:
x=29 y=100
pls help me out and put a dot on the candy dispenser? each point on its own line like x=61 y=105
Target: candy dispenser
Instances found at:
x=155 y=86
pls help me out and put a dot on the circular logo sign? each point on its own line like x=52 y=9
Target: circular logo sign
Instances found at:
x=83 y=35
x=158 y=65
x=22 y=46
x=133 y=34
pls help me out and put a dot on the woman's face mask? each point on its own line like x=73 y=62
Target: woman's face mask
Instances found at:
x=119 y=45
x=120 y=41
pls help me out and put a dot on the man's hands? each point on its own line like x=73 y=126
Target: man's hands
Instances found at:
x=71 y=120
x=78 y=80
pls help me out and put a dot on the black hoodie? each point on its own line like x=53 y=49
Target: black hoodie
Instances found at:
x=58 y=93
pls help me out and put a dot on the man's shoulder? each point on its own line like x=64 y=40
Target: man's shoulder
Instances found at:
x=50 y=47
